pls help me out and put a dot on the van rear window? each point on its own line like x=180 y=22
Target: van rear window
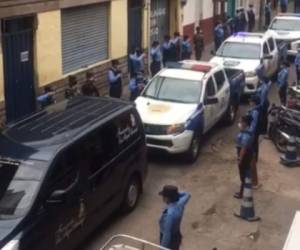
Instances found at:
x=18 y=187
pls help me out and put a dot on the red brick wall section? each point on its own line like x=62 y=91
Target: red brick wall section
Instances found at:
x=100 y=73
x=189 y=30
x=207 y=26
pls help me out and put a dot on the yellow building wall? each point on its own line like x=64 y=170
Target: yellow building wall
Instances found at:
x=48 y=48
x=175 y=17
x=118 y=29
x=1 y=76
x=146 y=25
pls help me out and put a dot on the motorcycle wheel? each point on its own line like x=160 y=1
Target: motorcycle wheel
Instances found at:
x=280 y=142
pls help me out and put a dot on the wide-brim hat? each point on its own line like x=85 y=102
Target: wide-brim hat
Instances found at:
x=170 y=191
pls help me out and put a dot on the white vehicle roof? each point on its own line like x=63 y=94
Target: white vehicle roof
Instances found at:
x=245 y=37
x=189 y=70
x=286 y=16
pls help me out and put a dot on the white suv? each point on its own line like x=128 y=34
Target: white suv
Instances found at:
x=286 y=28
x=248 y=52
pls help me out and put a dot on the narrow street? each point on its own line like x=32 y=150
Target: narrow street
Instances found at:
x=212 y=181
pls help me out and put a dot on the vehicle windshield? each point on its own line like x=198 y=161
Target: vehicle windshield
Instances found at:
x=240 y=50
x=285 y=24
x=18 y=187
x=173 y=90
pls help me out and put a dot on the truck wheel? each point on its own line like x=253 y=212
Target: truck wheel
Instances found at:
x=193 y=151
x=132 y=195
x=230 y=114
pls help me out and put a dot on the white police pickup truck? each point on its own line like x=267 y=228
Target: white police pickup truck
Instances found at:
x=182 y=102
x=248 y=52
x=286 y=28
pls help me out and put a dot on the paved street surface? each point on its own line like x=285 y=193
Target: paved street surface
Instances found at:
x=212 y=181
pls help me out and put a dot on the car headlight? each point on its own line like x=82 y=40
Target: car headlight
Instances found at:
x=12 y=245
x=176 y=129
x=250 y=74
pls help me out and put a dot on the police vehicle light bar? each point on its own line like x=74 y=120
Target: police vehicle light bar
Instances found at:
x=204 y=68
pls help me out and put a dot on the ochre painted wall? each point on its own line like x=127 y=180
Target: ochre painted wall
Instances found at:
x=1 y=76
x=175 y=17
x=146 y=25
x=48 y=63
x=118 y=29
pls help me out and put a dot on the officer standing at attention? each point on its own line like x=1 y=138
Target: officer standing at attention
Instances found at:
x=176 y=47
x=218 y=35
x=255 y=113
x=198 y=43
x=282 y=82
x=268 y=13
x=297 y=65
x=115 y=80
x=170 y=220
x=244 y=145
x=186 y=48
x=237 y=21
x=155 y=58
x=166 y=50
x=283 y=5
x=251 y=18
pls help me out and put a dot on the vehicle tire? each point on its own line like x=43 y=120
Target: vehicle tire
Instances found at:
x=192 y=154
x=280 y=142
x=230 y=114
x=131 y=195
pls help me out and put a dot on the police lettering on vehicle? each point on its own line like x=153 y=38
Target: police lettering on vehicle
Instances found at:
x=124 y=133
x=65 y=230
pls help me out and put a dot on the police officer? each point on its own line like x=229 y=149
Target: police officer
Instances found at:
x=198 y=43
x=218 y=35
x=115 y=80
x=155 y=58
x=137 y=61
x=170 y=220
x=268 y=13
x=136 y=85
x=251 y=18
x=263 y=93
x=282 y=82
x=237 y=21
x=186 y=48
x=255 y=113
x=176 y=47
x=166 y=50
x=244 y=21
x=283 y=5
x=244 y=145
x=297 y=65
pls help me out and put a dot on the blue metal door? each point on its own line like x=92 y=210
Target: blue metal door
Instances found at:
x=134 y=24
x=17 y=40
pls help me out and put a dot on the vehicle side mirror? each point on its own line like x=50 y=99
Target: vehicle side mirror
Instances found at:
x=211 y=100
x=268 y=57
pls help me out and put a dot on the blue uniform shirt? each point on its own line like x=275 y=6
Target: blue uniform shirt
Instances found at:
x=186 y=47
x=219 y=32
x=170 y=219
x=254 y=113
x=155 y=54
x=268 y=8
x=297 y=60
x=137 y=62
x=283 y=2
x=282 y=78
x=244 y=139
x=263 y=92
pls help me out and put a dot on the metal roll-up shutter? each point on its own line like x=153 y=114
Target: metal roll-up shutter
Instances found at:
x=159 y=19
x=84 y=36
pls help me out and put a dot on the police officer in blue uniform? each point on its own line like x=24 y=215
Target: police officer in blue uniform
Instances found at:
x=297 y=65
x=268 y=13
x=166 y=50
x=218 y=35
x=237 y=21
x=186 y=48
x=263 y=93
x=155 y=58
x=170 y=220
x=282 y=82
x=244 y=145
x=254 y=129
x=115 y=80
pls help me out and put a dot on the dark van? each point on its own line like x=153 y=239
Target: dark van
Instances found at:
x=64 y=170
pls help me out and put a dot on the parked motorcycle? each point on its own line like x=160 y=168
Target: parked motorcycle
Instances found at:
x=284 y=123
